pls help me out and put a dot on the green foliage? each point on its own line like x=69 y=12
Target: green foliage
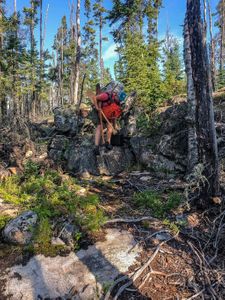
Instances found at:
x=52 y=195
x=173 y=226
x=148 y=123
x=174 y=83
x=154 y=201
x=4 y=219
x=220 y=79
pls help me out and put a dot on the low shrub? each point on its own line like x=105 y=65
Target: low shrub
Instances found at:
x=153 y=200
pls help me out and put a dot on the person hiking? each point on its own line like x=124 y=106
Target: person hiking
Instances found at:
x=107 y=103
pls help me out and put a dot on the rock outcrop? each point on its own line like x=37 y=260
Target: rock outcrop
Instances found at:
x=20 y=230
x=82 y=275
x=164 y=150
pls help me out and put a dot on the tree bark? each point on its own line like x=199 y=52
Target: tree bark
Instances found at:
x=72 y=42
x=212 y=49
x=200 y=80
x=101 y=64
x=222 y=36
x=3 y=100
x=192 y=135
x=78 y=56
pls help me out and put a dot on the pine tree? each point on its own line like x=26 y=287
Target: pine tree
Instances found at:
x=60 y=46
x=78 y=56
x=156 y=89
x=100 y=21
x=31 y=21
x=172 y=67
x=2 y=77
x=220 y=23
x=90 y=52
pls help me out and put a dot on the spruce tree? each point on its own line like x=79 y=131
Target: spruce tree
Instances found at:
x=172 y=67
x=31 y=20
x=89 y=50
x=220 y=23
x=100 y=21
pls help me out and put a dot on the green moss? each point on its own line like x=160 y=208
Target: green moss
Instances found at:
x=3 y=221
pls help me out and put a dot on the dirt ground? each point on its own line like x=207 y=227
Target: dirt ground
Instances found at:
x=187 y=263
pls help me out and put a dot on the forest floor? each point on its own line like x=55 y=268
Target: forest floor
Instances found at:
x=178 y=248
x=183 y=250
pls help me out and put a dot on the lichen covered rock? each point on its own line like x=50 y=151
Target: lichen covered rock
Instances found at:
x=20 y=230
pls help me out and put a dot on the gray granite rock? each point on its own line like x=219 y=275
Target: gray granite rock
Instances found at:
x=82 y=275
x=20 y=230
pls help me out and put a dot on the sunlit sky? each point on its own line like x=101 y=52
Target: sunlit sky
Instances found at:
x=171 y=16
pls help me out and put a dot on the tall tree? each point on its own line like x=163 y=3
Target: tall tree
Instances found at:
x=89 y=51
x=202 y=141
x=220 y=23
x=2 y=89
x=172 y=66
x=212 y=48
x=78 y=55
x=60 y=45
x=31 y=21
x=100 y=19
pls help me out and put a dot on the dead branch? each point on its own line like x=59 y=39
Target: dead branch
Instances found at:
x=130 y=220
x=138 y=273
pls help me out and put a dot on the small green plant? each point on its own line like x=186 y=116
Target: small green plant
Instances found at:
x=31 y=168
x=154 y=201
x=173 y=226
x=51 y=195
x=106 y=286
x=151 y=200
x=148 y=123
x=3 y=221
x=174 y=200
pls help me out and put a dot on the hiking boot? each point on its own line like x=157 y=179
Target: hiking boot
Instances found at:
x=96 y=150
x=108 y=146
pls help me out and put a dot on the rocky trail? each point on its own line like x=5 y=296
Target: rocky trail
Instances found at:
x=167 y=249
x=135 y=256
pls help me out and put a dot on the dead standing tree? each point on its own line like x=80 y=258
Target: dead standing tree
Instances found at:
x=202 y=141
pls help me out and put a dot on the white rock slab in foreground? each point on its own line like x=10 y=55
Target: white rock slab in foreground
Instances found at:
x=79 y=276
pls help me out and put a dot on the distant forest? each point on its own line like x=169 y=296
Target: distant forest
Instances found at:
x=34 y=79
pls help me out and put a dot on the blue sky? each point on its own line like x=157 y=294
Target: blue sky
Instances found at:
x=171 y=15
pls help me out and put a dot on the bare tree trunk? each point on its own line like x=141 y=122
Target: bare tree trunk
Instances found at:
x=41 y=56
x=15 y=6
x=204 y=115
x=72 y=43
x=212 y=49
x=41 y=32
x=192 y=136
x=78 y=56
x=3 y=100
x=101 y=64
x=45 y=26
x=205 y=21
x=32 y=45
x=15 y=65
x=222 y=37
x=62 y=67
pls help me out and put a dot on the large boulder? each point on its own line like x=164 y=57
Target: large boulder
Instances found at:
x=20 y=230
x=83 y=275
x=77 y=155
x=115 y=161
x=82 y=160
x=66 y=120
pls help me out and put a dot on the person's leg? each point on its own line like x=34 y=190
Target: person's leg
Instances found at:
x=98 y=135
x=109 y=133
